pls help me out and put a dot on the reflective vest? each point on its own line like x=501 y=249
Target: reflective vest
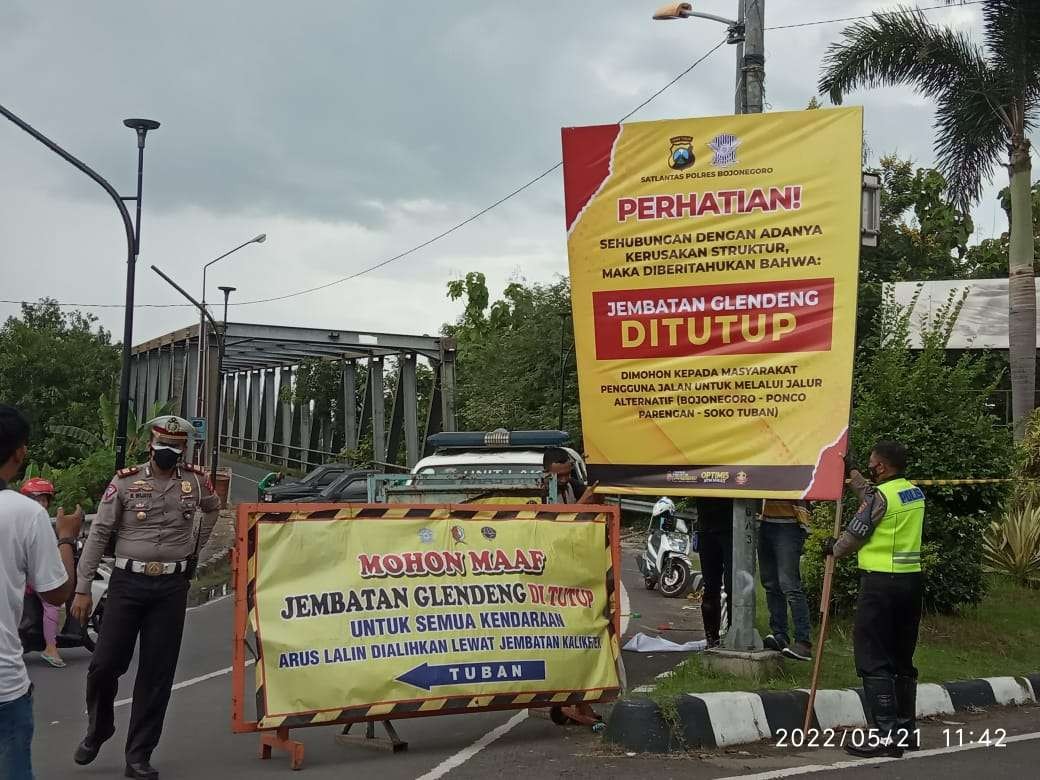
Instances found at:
x=895 y=545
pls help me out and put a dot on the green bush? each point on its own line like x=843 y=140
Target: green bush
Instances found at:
x=935 y=405
x=84 y=482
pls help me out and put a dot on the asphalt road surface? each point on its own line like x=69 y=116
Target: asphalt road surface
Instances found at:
x=197 y=743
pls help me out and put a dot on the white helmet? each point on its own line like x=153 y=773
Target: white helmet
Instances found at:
x=664 y=506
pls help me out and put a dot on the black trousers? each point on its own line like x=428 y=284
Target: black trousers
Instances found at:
x=888 y=615
x=716 y=553
x=151 y=608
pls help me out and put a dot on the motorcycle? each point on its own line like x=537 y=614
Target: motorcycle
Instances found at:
x=71 y=633
x=665 y=563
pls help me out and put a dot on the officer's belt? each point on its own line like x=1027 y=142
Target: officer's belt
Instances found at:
x=152 y=568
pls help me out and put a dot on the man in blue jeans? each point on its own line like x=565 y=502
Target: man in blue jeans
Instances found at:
x=27 y=555
x=781 y=539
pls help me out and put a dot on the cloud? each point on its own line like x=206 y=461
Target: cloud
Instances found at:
x=349 y=132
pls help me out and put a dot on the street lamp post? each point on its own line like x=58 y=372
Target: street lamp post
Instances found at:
x=200 y=394
x=220 y=360
x=133 y=246
x=747 y=32
x=220 y=391
x=141 y=126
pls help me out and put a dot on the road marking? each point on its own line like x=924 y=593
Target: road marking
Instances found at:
x=247 y=479
x=812 y=768
x=211 y=601
x=464 y=755
x=192 y=681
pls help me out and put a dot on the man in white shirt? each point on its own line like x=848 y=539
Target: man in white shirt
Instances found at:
x=28 y=555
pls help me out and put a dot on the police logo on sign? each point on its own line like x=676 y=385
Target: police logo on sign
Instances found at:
x=681 y=154
x=724 y=146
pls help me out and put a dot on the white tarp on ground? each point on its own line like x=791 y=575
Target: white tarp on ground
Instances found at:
x=983 y=321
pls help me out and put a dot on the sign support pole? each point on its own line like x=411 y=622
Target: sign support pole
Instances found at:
x=743 y=635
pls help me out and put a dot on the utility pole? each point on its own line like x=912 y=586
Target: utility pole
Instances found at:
x=752 y=54
x=742 y=634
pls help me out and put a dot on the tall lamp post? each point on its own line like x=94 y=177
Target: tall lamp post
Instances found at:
x=220 y=360
x=200 y=390
x=220 y=383
x=133 y=248
x=747 y=32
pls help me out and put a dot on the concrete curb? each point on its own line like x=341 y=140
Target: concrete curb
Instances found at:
x=715 y=720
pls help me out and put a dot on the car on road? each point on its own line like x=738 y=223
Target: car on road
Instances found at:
x=351 y=486
x=310 y=485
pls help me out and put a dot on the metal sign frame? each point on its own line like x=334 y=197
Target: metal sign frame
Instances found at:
x=244 y=577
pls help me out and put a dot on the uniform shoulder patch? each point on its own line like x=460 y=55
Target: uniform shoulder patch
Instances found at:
x=110 y=493
x=128 y=472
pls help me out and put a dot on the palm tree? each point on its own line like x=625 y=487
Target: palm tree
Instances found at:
x=987 y=101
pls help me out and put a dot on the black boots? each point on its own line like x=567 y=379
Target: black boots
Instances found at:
x=86 y=752
x=141 y=770
x=906 y=734
x=880 y=739
x=711 y=616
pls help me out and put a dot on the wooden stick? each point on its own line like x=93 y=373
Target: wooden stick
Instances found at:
x=825 y=612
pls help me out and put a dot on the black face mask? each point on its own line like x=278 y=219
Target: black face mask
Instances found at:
x=165 y=459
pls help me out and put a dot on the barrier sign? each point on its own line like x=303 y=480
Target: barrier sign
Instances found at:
x=365 y=612
x=713 y=271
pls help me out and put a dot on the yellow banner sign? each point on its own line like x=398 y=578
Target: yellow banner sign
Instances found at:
x=714 y=265
x=395 y=610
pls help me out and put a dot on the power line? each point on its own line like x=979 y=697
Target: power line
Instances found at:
x=457 y=226
x=476 y=215
x=867 y=16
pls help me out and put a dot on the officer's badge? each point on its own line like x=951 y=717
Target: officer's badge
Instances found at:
x=172 y=425
x=681 y=154
x=185 y=486
x=110 y=493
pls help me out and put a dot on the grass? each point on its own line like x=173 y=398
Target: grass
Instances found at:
x=999 y=637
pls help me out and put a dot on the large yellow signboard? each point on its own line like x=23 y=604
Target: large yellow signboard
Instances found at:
x=395 y=610
x=713 y=268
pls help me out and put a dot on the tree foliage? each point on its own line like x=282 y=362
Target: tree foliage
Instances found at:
x=987 y=100
x=509 y=356
x=53 y=366
x=937 y=406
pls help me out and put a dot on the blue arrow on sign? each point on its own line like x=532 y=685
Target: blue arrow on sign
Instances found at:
x=427 y=676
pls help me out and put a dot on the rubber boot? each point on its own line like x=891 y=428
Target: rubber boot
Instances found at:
x=878 y=740
x=907 y=735
x=711 y=616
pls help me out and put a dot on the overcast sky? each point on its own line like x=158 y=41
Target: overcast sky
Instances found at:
x=350 y=131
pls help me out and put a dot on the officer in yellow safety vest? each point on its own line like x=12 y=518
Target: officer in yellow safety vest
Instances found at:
x=886 y=535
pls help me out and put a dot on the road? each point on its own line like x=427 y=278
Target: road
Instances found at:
x=198 y=744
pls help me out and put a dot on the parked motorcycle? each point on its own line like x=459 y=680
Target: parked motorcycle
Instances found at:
x=71 y=634
x=666 y=561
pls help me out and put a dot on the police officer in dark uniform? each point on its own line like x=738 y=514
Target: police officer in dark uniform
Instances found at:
x=149 y=511
x=885 y=533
